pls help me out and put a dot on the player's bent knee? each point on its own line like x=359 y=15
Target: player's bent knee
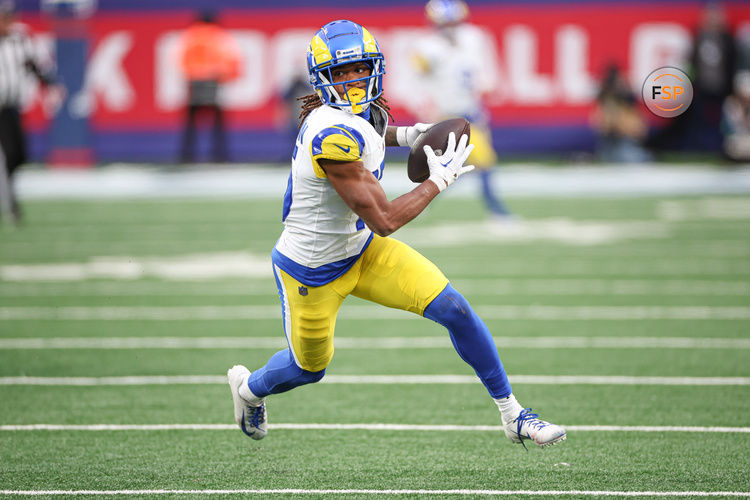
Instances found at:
x=315 y=356
x=450 y=308
x=311 y=363
x=309 y=377
x=314 y=345
x=314 y=353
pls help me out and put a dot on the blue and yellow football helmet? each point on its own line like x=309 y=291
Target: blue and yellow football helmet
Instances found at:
x=343 y=42
x=446 y=12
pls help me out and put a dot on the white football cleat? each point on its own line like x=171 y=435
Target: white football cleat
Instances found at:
x=528 y=425
x=251 y=418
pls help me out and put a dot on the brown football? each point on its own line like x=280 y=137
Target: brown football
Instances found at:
x=437 y=138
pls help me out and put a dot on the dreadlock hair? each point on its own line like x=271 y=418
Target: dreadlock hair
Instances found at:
x=312 y=101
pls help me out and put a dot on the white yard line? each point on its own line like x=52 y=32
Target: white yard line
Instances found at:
x=383 y=380
x=363 y=427
x=705 y=209
x=264 y=181
x=177 y=267
x=463 y=492
x=511 y=286
x=438 y=342
x=76 y=248
x=355 y=312
x=233 y=265
x=614 y=312
x=642 y=267
x=556 y=230
x=249 y=287
x=564 y=286
x=164 y=313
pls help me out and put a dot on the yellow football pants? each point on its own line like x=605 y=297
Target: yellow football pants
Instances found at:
x=389 y=272
x=483 y=156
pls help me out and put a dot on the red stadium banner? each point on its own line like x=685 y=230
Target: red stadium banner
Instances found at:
x=547 y=58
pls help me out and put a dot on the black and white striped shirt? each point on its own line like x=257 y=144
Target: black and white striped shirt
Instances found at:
x=17 y=60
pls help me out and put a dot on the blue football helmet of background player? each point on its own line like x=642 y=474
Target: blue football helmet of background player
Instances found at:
x=343 y=42
x=446 y=12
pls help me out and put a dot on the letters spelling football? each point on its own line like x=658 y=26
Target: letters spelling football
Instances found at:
x=437 y=138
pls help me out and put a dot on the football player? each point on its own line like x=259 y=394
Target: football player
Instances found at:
x=335 y=239
x=452 y=65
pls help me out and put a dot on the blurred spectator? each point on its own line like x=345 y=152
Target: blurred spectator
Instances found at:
x=617 y=120
x=451 y=62
x=713 y=56
x=298 y=86
x=713 y=60
x=742 y=44
x=736 y=119
x=209 y=57
x=17 y=60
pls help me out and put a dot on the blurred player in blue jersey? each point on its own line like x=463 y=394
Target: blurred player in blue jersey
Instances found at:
x=455 y=75
x=335 y=239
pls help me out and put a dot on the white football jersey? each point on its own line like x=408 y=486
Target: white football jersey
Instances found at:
x=322 y=237
x=455 y=72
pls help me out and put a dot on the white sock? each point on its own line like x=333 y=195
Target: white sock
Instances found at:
x=247 y=394
x=509 y=408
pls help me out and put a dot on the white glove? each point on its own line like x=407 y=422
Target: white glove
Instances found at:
x=446 y=168
x=407 y=136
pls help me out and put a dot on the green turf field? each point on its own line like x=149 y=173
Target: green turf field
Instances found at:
x=627 y=320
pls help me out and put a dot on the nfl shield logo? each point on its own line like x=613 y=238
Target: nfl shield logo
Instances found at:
x=303 y=290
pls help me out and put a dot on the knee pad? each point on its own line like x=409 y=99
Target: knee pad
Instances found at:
x=314 y=343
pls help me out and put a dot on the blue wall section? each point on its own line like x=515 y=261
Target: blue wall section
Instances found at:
x=250 y=146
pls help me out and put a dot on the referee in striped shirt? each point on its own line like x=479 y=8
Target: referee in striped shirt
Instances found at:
x=17 y=60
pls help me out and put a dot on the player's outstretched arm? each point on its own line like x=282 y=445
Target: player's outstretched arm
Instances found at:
x=362 y=192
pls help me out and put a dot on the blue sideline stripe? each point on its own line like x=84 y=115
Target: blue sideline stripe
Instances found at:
x=253 y=145
x=317 y=276
x=545 y=139
x=248 y=145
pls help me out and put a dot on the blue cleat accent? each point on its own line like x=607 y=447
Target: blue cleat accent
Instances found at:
x=253 y=418
x=249 y=415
